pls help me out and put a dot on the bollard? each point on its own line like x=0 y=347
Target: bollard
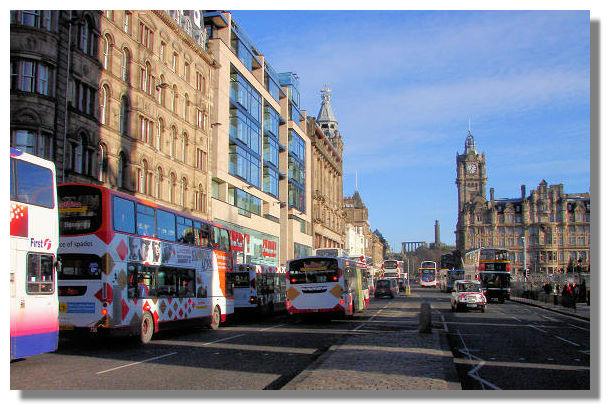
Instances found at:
x=408 y=290
x=425 y=318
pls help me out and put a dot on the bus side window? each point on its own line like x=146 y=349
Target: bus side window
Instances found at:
x=225 y=242
x=185 y=233
x=216 y=239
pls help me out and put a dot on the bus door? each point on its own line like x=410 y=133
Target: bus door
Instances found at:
x=243 y=284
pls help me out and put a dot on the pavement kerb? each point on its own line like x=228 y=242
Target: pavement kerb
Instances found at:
x=312 y=366
x=550 y=309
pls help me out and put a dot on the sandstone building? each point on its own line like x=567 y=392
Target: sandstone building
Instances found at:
x=555 y=225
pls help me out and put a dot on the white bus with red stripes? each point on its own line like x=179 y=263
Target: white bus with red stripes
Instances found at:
x=129 y=265
x=258 y=289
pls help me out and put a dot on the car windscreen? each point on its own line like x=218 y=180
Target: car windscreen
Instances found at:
x=383 y=283
x=468 y=288
x=313 y=270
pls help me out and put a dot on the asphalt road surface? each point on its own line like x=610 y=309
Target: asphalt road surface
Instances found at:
x=247 y=354
x=513 y=346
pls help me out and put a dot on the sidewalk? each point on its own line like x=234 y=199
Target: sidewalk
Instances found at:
x=582 y=311
x=399 y=360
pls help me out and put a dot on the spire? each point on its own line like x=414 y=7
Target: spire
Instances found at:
x=326 y=119
x=470 y=146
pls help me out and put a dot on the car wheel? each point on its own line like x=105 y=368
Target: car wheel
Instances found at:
x=215 y=319
x=147 y=328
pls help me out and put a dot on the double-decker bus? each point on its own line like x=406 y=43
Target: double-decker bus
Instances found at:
x=365 y=281
x=492 y=267
x=32 y=251
x=427 y=274
x=391 y=268
x=258 y=288
x=321 y=285
x=129 y=265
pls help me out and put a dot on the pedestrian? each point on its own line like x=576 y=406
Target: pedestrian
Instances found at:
x=575 y=295
x=583 y=292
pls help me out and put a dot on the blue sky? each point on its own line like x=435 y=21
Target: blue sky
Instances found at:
x=405 y=83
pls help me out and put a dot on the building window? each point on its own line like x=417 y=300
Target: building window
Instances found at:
x=200 y=119
x=101 y=160
x=31 y=76
x=201 y=160
x=200 y=199
x=146 y=129
x=200 y=82
x=124 y=115
x=174 y=99
x=146 y=36
x=87 y=38
x=107 y=52
x=172 y=187
x=163 y=52
x=159 y=132
x=186 y=107
x=185 y=148
x=126 y=66
x=34 y=18
x=187 y=71
x=183 y=191
x=32 y=142
x=127 y=24
x=84 y=98
x=159 y=180
x=174 y=59
x=147 y=79
x=245 y=202
x=173 y=152
x=104 y=105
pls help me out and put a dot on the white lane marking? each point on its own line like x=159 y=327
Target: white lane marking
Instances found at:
x=549 y=318
x=534 y=327
x=473 y=372
x=550 y=358
x=567 y=341
x=522 y=358
x=585 y=352
x=369 y=319
x=518 y=319
x=221 y=340
x=272 y=327
x=136 y=363
x=578 y=327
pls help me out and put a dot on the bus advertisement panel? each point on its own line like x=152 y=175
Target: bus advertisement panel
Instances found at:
x=129 y=265
x=33 y=249
x=322 y=285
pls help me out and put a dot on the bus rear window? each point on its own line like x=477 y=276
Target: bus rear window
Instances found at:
x=240 y=279
x=40 y=274
x=80 y=209
x=80 y=267
x=313 y=270
x=31 y=184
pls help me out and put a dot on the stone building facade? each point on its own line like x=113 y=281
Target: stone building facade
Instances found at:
x=119 y=98
x=359 y=236
x=554 y=225
x=327 y=172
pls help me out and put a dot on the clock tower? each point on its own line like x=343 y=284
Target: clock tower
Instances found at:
x=471 y=174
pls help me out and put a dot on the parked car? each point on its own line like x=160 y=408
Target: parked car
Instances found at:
x=467 y=294
x=386 y=287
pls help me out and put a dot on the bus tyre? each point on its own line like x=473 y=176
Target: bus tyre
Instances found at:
x=147 y=328
x=215 y=319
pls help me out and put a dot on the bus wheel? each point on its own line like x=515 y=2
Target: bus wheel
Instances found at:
x=147 y=328
x=215 y=319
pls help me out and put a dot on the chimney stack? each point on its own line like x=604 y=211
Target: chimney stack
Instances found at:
x=437 y=232
x=523 y=192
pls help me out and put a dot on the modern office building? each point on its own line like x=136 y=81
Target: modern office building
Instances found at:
x=119 y=98
x=327 y=173
x=554 y=225
x=260 y=157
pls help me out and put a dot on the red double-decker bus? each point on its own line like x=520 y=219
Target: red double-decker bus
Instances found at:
x=131 y=265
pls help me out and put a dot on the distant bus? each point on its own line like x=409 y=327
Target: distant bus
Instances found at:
x=129 y=265
x=33 y=249
x=321 y=285
x=428 y=273
x=258 y=288
x=492 y=267
x=449 y=279
x=392 y=268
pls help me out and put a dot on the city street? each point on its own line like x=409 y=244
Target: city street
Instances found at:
x=511 y=346
x=515 y=346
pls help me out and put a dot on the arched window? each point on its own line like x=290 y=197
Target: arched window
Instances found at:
x=126 y=65
x=173 y=149
x=87 y=37
x=200 y=199
x=174 y=99
x=186 y=107
x=159 y=179
x=104 y=105
x=172 y=187
x=121 y=167
x=162 y=92
x=184 y=147
x=146 y=73
x=107 y=52
x=124 y=114
x=101 y=163
x=142 y=177
x=159 y=131
x=183 y=192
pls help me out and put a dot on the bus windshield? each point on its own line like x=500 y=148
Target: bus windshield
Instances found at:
x=313 y=270
x=494 y=254
x=79 y=209
x=490 y=280
x=390 y=264
x=240 y=279
x=31 y=184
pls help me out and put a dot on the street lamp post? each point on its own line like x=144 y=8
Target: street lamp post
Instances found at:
x=524 y=262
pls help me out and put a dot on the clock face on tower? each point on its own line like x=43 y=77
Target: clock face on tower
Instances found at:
x=471 y=167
